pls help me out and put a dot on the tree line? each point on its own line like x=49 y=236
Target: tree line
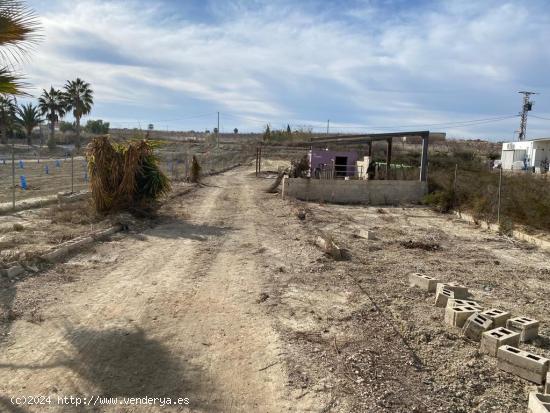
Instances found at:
x=19 y=31
x=53 y=104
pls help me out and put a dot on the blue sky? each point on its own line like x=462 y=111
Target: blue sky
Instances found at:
x=365 y=65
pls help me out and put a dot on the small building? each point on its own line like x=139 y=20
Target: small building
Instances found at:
x=343 y=164
x=531 y=155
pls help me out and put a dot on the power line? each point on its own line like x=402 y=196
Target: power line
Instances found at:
x=540 y=117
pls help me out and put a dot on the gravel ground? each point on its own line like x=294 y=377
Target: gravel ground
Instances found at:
x=276 y=321
x=358 y=331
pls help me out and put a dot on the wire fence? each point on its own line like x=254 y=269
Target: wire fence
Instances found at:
x=506 y=198
x=25 y=176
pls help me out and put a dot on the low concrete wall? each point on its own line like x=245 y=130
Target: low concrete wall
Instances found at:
x=355 y=191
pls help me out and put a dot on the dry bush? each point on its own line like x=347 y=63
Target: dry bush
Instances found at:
x=81 y=212
x=525 y=198
x=124 y=175
x=195 y=170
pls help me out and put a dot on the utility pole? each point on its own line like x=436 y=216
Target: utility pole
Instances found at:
x=527 y=106
x=328 y=125
x=218 y=131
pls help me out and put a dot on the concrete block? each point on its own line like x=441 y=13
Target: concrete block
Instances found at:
x=527 y=327
x=457 y=316
x=476 y=325
x=455 y=302
x=366 y=234
x=526 y=365
x=547 y=385
x=442 y=296
x=460 y=291
x=539 y=403
x=424 y=282
x=499 y=317
x=326 y=243
x=493 y=339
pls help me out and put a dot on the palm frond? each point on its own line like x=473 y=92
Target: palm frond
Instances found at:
x=11 y=83
x=19 y=30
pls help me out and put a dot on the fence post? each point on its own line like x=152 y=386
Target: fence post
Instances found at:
x=13 y=173
x=454 y=185
x=499 y=194
x=72 y=173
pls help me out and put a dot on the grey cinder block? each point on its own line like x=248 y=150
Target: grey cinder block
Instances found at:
x=539 y=403
x=476 y=325
x=493 y=339
x=459 y=291
x=547 y=385
x=457 y=316
x=425 y=282
x=527 y=327
x=442 y=296
x=455 y=302
x=526 y=365
x=499 y=317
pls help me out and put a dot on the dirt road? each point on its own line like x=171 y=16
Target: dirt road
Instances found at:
x=173 y=312
x=226 y=301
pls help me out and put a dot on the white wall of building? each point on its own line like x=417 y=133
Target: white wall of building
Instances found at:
x=525 y=154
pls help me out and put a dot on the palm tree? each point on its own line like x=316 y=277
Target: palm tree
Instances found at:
x=29 y=118
x=8 y=109
x=52 y=104
x=18 y=31
x=79 y=99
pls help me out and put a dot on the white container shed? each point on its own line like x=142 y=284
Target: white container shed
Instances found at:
x=526 y=155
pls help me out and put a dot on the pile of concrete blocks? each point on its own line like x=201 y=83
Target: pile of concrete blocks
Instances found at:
x=499 y=333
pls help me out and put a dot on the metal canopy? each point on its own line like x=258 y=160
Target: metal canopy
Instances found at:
x=368 y=138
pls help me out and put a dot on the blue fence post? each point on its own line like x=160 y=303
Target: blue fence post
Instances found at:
x=47 y=170
x=23 y=182
x=21 y=164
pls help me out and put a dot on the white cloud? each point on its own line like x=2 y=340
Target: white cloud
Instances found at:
x=457 y=60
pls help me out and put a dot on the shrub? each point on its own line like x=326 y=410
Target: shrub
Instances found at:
x=195 y=170
x=124 y=175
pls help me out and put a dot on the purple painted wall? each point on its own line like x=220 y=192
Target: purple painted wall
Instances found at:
x=319 y=158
